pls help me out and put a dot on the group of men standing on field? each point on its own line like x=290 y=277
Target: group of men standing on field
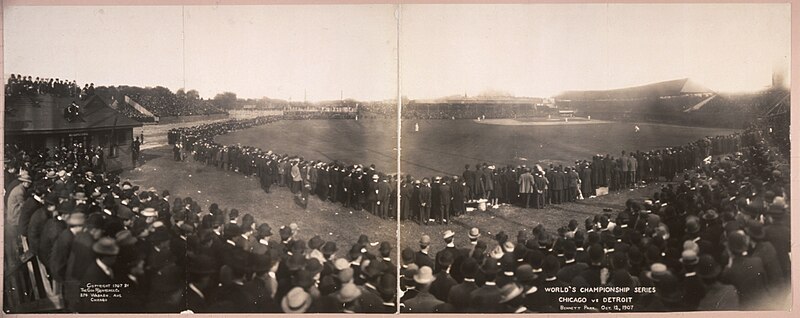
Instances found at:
x=440 y=198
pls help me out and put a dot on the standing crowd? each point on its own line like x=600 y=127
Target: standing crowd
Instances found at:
x=356 y=186
x=717 y=240
x=723 y=227
x=73 y=230
x=438 y=199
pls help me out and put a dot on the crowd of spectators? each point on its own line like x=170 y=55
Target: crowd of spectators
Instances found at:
x=18 y=84
x=377 y=110
x=471 y=111
x=358 y=186
x=300 y=115
x=722 y=227
x=88 y=229
x=439 y=198
x=132 y=113
x=755 y=103
x=719 y=239
x=168 y=104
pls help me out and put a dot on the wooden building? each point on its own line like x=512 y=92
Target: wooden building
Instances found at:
x=46 y=120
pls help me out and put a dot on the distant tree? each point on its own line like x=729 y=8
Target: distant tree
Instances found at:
x=193 y=95
x=161 y=91
x=180 y=93
x=226 y=100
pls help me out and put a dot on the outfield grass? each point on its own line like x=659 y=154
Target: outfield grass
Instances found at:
x=445 y=146
x=352 y=141
x=441 y=146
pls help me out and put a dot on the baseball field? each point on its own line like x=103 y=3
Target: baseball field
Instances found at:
x=439 y=147
x=443 y=147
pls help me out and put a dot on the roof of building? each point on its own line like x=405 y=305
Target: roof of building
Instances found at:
x=669 y=88
x=45 y=113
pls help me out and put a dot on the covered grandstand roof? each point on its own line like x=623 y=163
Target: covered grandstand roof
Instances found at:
x=669 y=88
x=45 y=114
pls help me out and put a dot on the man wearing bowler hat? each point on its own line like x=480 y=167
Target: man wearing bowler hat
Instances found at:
x=422 y=257
x=486 y=299
x=13 y=211
x=100 y=273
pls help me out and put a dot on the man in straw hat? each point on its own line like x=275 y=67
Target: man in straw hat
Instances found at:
x=424 y=302
x=296 y=301
x=448 y=236
x=347 y=298
x=512 y=299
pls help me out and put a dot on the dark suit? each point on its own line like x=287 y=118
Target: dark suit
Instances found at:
x=196 y=302
x=59 y=255
x=486 y=299
x=406 y=191
x=748 y=275
x=457 y=191
x=440 y=288
x=453 y=251
x=568 y=272
x=384 y=195
x=26 y=212
x=469 y=179
x=372 y=197
x=35 y=228
x=371 y=301
x=51 y=230
x=422 y=259
x=262 y=301
x=459 y=295
x=424 y=203
x=444 y=202
x=93 y=274
x=424 y=302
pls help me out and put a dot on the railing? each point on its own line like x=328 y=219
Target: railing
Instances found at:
x=28 y=287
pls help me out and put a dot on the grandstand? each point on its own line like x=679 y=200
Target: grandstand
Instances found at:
x=675 y=95
x=679 y=101
x=473 y=107
x=151 y=104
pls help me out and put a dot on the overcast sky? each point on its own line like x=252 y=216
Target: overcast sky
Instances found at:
x=541 y=50
x=254 y=51
x=322 y=51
